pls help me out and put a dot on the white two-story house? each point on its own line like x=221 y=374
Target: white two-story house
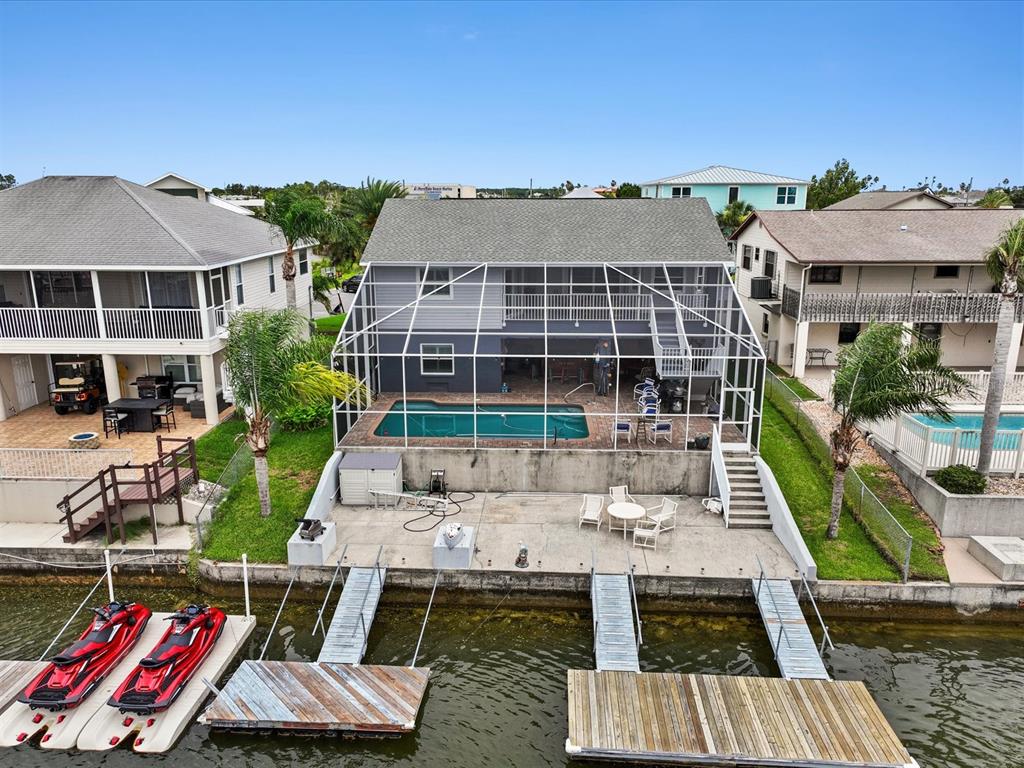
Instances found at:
x=810 y=280
x=98 y=268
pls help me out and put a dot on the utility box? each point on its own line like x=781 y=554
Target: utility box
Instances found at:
x=460 y=556
x=360 y=473
x=760 y=287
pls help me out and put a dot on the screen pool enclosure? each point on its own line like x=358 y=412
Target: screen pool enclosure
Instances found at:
x=588 y=355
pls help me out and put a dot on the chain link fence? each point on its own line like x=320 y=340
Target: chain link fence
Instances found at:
x=884 y=530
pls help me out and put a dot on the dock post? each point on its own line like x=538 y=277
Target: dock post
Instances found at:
x=245 y=581
x=110 y=578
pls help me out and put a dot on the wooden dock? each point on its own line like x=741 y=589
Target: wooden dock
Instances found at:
x=711 y=720
x=615 y=641
x=346 y=637
x=14 y=676
x=796 y=652
x=322 y=698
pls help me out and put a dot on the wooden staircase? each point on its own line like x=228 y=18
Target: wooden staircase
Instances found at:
x=747 y=505
x=101 y=502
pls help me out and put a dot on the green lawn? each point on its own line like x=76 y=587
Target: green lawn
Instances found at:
x=296 y=460
x=808 y=491
x=330 y=324
x=798 y=387
x=216 y=447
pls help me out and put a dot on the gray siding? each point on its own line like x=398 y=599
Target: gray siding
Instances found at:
x=460 y=310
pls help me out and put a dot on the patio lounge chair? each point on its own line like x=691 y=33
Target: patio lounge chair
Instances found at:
x=590 y=510
x=624 y=428
x=664 y=514
x=645 y=534
x=658 y=428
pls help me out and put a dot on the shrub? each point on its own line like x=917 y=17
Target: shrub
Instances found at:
x=960 y=478
x=304 y=418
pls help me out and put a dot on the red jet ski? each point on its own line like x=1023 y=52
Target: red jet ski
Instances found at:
x=78 y=669
x=158 y=679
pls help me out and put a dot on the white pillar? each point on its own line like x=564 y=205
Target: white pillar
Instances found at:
x=907 y=337
x=204 y=313
x=800 y=348
x=208 y=376
x=1012 y=359
x=111 y=379
x=94 y=278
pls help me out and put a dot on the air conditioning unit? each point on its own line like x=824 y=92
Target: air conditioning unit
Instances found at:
x=760 y=287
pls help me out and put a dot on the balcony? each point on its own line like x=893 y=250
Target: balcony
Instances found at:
x=576 y=306
x=894 y=307
x=143 y=324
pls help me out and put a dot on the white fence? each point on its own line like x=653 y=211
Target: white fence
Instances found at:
x=127 y=324
x=576 y=306
x=1013 y=393
x=925 y=448
x=59 y=463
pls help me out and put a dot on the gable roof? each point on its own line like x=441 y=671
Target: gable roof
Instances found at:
x=884 y=198
x=723 y=174
x=535 y=231
x=179 y=177
x=107 y=222
x=958 y=235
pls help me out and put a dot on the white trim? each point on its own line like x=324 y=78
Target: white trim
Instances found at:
x=438 y=285
x=179 y=177
x=450 y=357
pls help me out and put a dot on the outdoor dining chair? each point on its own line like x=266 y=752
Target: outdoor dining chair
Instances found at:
x=664 y=514
x=659 y=428
x=645 y=534
x=620 y=494
x=165 y=417
x=114 y=421
x=624 y=429
x=590 y=510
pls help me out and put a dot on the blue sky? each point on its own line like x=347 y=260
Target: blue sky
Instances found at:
x=493 y=94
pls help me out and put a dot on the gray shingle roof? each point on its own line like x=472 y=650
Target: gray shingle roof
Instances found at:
x=104 y=221
x=723 y=174
x=498 y=231
x=958 y=235
x=882 y=199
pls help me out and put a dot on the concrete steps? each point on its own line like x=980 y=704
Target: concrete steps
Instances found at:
x=747 y=505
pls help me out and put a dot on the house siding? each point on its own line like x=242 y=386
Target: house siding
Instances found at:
x=460 y=310
x=760 y=196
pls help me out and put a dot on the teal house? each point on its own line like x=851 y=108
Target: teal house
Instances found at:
x=721 y=185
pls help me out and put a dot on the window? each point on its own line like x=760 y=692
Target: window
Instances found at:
x=680 y=191
x=271 y=277
x=181 y=368
x=785 y=196
x=757 y=254
x=304 y=261
x=747 y=251
x=848 y=332
x=769 y=264
x=931 y=331
x=764 y=324
x=947 y=270
x=825 y=275
x=239 y=293
x=437 y=359
x=437 y=278
x=734 y=194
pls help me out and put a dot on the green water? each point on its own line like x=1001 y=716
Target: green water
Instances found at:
x=953 y=692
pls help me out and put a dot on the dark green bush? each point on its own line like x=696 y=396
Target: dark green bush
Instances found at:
x=303 y=418
x=960 y=478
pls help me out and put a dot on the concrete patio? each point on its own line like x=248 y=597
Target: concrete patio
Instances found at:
x=700 y=545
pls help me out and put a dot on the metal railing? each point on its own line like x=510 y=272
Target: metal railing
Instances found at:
x=330 y=588
x=423 y=628
x=362 y=605
x=825 y=636
x=636 y=605
x=239 y=465
x=761 y=578
x=576 y=306
x=59 y=463
x=901 y=307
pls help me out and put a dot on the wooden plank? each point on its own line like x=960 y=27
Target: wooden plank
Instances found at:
x=14 y=676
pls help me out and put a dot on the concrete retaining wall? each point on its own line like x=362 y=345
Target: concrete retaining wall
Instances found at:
x=678 y=473
x=783 y=525
x=33 y=501
x=957 y=515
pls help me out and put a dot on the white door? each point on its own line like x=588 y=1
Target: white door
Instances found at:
x=24 y=382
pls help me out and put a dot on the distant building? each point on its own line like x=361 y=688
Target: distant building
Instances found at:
x=885 y=200
x=179 y=186
x=438 y=191
x=582 y=193
x=721 y=185
x=965 y=199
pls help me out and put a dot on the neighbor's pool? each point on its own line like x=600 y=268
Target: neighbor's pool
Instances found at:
x=427 y=418
x=1008 y=422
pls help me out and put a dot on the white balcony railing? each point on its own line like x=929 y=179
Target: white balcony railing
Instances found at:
x=896 y=307
x=1013 y=393
x=576 y=306
x=117 y=324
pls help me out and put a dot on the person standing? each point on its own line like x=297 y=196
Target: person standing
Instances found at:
x=602 y=366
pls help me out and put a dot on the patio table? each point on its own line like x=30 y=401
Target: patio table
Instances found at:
x=818 y=355
x=140 y=411
x=626 y=511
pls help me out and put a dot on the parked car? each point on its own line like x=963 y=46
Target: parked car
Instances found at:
x=351 y=285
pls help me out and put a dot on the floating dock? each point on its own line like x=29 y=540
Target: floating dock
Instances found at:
x=615 y=640
x=75 y=727
x=712 y=720
x=14 y=676
x=796 y=653
x=322 y=698
x=346 y=637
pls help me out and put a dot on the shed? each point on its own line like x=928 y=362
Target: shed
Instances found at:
x=359 y=473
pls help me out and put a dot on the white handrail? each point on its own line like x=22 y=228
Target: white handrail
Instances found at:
x=718 y=473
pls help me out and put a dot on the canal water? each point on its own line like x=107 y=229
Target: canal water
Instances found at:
x=954 y=692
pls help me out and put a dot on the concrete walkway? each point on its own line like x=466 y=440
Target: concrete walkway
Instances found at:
x=699 y=546
x=15 y=536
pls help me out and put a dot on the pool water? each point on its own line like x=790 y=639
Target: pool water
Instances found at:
x=1008 y=422
x=427 y=418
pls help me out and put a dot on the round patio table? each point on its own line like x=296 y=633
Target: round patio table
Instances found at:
x=626 y=511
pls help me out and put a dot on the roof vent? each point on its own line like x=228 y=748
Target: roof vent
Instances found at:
x=904 y=227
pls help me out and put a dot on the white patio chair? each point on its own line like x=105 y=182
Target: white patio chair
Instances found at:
x=620 y=493
x=590 y=510
x=643 y=386
x=623 y=428
x=664 y=514
x=658 y=428
x=645 y=534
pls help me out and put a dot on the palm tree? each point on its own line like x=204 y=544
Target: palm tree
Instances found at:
x=1005 y=267
x=364 y=203
x=996 y=198
x=301 y=217
x=272 y=368
x=732 y=216
x=883 y=375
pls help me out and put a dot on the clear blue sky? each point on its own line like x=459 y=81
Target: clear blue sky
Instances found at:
x=492 y=94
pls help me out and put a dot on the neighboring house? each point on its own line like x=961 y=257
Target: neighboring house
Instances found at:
x=721 y=185
x=886 y=200
x=810 y=280
x=585 y=193
x=99 y=267
x=965 y=199
x=179 y=186
x=439 y=191
x=512 y=301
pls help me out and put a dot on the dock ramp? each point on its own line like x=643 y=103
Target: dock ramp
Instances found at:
x=346 y=636
x=796 y=653
x=615 y=637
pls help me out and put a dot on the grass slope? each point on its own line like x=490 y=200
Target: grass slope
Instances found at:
x=808 y=491
x=330 y=324
x=216 y=447
x=799 y=388
x=296 y=460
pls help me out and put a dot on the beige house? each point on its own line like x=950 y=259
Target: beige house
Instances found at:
x=810 y=280
x=99 y=268
x=886 y=200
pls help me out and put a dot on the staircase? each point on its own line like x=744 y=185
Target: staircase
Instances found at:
x=671 y=350
x=747 y=505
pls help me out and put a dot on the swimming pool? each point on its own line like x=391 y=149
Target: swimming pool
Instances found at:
x=427 y=418
x=1008 y=435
